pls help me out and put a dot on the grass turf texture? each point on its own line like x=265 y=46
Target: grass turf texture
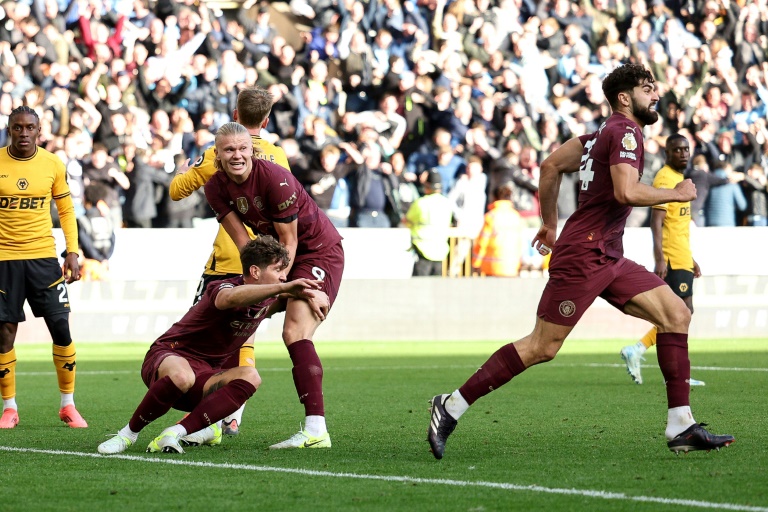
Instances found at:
x=575 y=423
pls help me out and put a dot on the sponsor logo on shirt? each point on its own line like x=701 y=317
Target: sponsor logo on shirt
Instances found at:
x=628 y=155
x=242 y=205
x=21 y=203
x=288 y=202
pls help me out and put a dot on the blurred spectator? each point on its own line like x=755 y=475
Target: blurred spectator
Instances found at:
x=96 y=233
x=487 y=78
x=723 y=203
x=371 y=199
x=102 y=169
x=755 y=188
x=429 y=219
x=498 y=249
x=704 y=181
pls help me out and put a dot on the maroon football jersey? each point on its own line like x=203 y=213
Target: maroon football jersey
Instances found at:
x=212 y=334
x=272 y=194
x=599 y=220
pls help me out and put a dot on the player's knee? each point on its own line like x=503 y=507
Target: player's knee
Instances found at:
x=7 y=336
x=58 y=326
x=251 y=375
x=182 y=379
x=679 y=318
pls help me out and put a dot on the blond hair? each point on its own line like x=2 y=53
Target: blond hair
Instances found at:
x=228 y=130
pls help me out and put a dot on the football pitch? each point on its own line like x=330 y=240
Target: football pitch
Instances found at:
x=573 y=434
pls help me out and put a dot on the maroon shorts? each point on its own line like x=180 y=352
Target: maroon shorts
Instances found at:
x=578 y=275
x=202 y=370
x=327 y=265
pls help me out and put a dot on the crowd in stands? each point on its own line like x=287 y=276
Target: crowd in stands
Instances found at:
x=373 y=94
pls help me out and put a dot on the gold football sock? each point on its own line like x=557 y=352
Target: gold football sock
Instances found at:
x=247 y=357
x=649 y=339
x=8 y=374
x=64 y=361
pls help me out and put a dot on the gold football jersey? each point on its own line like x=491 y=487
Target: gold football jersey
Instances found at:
x=26 y=188
x=676 y=237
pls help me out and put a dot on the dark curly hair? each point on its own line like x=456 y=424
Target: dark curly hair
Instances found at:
x=623 y=79
x=23 y=110
x=263 y=252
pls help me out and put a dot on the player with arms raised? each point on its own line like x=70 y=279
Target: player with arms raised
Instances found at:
x=588 y=262
x=271 y=201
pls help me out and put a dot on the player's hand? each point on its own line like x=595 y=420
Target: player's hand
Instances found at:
x=544 y=240
x=318 y=302
x=71 y=268
x=184 y=167
x=696 y=269
x=686 y=190
x=296 y=288
x=660 y=269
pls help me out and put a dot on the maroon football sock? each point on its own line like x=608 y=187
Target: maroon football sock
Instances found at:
x=308 y=376
x=159 y=399
x=499 y=369
x=218 y=405
x=672 y=353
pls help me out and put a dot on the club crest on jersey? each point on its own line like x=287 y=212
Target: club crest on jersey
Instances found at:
x=258 y=203
x=567 y=308
x=242 y=205
x=22 y=183
x=629 y=142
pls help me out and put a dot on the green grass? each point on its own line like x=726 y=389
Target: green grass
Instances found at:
x=576 y=423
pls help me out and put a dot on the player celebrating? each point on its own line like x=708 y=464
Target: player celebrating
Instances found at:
x=670 y=226
x=182 y=369
x=270 y=200
x=253 y=107
x=29 y=268
x=588 y=262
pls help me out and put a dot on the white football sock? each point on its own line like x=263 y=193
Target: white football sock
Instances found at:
x=456 y=405
x=130 y=434
x=10 y=404
x=315 y=425
x=678 y=420
x=237 y=416
x=67 y=399
x=177 y=429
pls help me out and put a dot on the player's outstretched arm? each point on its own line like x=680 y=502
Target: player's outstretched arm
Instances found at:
x=628 y=190
x=250 y=294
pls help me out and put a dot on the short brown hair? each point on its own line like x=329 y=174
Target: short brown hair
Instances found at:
x=253 y=106
x=263 y=252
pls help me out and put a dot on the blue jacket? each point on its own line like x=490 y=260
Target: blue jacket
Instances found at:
x=723 y=202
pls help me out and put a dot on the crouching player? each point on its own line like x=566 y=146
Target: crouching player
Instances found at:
x=182 y=368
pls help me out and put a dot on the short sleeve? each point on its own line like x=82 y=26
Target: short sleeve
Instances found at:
x=625 y=146
x=215 y=193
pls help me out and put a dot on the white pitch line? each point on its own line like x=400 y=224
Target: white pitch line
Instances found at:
x=408 y=479
x=427 y=367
